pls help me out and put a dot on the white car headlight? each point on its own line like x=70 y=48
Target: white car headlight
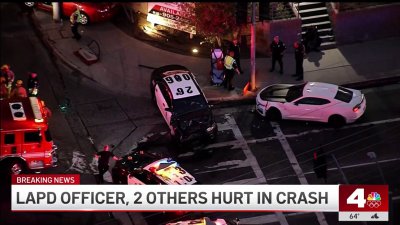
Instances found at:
x=210 y=129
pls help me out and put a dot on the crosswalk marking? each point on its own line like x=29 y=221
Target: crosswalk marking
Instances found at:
x=295 y=164
x=260 y=178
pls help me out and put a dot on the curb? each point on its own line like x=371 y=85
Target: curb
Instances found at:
x=54 y=51
x=228 y=101
x=373 y=83
x=248 y=100
x=217 y=101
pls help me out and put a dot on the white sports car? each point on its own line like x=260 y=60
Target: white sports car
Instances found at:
x=311 y=101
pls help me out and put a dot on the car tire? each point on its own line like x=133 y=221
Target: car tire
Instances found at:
x=16 y=167
x=29 y=4
x=84 y=19
x=336 y=121
x=274 y=114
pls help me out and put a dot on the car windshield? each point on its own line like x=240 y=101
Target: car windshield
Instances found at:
x=295 y=92
x=344 y=94
x=189 y=104
x=138 y=160
x=164 y=165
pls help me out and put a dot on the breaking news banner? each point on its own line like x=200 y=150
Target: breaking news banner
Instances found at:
x=65 y=193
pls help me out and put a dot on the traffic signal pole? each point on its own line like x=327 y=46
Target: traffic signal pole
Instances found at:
x=253 y=47
x=340 y=169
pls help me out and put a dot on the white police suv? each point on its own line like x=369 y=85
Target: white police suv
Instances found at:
x=182 y=104
x=142 y=167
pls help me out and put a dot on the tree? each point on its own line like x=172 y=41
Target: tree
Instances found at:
x=213 y=20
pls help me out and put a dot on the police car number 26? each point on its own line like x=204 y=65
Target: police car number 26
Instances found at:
x=182 y=85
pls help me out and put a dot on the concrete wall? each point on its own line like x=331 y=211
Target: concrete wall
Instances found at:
x=287 y=30
x=366 y=24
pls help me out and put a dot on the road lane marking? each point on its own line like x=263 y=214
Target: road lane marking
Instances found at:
x=252 y=159
x=295 y=164
x=335 y=168
x=242 y=164
x=267 y=218
x=260 y=140
x=245 y=181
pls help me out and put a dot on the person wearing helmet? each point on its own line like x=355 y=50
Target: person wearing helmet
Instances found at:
x=19 y=90
x=8 y=74
x=33 y=84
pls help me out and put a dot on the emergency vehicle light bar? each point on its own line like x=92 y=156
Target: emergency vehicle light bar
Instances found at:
x=17 y=111
x=36 y=109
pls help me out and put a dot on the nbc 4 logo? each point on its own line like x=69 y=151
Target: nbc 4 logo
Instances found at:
x=357 y=197
x=374 y=200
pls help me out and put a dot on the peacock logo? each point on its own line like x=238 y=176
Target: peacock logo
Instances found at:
x=374 y=200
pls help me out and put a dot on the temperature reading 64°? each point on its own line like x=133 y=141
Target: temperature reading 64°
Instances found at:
x=354 y=216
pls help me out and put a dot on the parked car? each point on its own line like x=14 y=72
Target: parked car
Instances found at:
x=142 y=167
x=91 y=12
x=311 y=101
x=183 y=105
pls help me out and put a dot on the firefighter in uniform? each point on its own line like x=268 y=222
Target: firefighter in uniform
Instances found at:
x=19 y=90
x=230 y=68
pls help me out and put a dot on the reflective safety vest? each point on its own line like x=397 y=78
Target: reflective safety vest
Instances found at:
x=228 y=62
x=78 y=13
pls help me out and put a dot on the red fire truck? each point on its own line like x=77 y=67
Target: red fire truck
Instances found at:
x=26 y=143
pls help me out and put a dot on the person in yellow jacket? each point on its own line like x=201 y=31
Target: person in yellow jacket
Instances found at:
x=230 y=68
x=75 y=19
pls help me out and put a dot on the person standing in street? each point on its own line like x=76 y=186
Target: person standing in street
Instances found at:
x=299 y=54
x=75 y=20
x=33 y=84
x=235 y=47
x=19 y=90
x=103 y=161
x=277 y=48
x=230 y=68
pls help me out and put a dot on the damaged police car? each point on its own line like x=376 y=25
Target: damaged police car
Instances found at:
x=142 y=167
x=182 y=104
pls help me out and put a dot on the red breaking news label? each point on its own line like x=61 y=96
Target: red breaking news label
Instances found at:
x=33 y=179
x=363 y=198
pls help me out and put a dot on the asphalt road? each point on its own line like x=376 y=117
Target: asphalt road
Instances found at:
x=247 y=142
x=249 y=149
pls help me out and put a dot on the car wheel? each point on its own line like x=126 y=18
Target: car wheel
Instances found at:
x=84 y=19
x=16 y=167
x=274 y=114
x=30 y=4
x=336 y=121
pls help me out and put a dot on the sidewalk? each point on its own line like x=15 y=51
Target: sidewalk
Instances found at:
x=125 y=63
